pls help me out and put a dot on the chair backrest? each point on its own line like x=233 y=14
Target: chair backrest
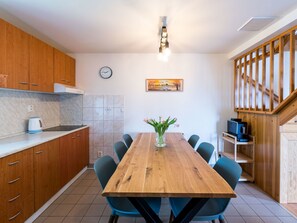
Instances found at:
x=128 y=140
x=193 y=140
x=120 y=149
x=104 y=168
x=229 y=170
x=205 y=150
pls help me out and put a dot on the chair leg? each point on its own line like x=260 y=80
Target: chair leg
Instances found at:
x=171 y=218
x=222 y=220
x=113 y=218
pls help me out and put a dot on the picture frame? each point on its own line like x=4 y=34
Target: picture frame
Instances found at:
x=165 y=85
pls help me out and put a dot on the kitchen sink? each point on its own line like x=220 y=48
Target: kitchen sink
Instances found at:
x=63 y=128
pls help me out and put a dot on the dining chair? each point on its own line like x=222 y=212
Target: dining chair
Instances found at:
x=104 y=168
x=214 y=208
x=193 y=140
x=120 y=149
x=128 y=140
x=205 y=150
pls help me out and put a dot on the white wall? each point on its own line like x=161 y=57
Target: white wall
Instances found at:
x=202 y=108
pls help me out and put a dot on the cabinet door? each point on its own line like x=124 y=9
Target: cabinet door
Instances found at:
x=41 y=66
x=64 y=159
x=86 y=146
x=70 y=70
x=46 y=171
x=59 y=67
x=3 y=77
x=17 y=58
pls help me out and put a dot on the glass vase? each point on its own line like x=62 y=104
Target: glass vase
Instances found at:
x=160 y=140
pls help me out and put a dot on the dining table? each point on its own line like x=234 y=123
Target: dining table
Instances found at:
x=175 y=170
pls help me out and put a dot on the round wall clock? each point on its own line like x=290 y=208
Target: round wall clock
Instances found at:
x=105 y=72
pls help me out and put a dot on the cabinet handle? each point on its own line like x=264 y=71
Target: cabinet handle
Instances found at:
x=13 y=217
x=38 y=152
x=13 y=163
x=63 y=80
x=33 y=84
x=13 y=181
x=73 y=137
x=78 y=135
x=23 y=83
x=13 y=199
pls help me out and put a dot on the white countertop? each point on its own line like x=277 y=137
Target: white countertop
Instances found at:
x=18 y=143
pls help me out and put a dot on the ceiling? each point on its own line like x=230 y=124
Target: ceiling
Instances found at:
x=132 y=26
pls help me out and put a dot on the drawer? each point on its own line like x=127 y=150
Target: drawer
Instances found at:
x=14 y=205
x=17 y=217
x=13 y=188
x=13 y=166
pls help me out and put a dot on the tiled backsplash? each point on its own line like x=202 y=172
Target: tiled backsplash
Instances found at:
x=105 y=116
x=14 y=113
x=71 y=109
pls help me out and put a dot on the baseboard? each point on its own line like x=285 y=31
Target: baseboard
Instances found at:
x=53 y=198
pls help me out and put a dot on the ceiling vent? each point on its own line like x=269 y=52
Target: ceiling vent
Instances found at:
x=256 y=23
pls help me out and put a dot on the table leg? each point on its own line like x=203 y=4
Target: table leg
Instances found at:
x=190 y=210
x=145 y=210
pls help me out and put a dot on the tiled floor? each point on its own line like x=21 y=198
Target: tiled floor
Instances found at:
x=82 y=202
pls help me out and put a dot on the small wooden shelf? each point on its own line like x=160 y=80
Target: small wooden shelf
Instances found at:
x=246 y=177
x=241 y=158
x=242 y=153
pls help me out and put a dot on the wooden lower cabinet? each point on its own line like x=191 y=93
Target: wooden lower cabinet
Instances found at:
x=74 y=154
x=28 y=179
x=46 y=171
x=17 y=187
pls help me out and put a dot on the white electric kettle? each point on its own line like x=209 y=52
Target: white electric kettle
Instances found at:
x=34 y=125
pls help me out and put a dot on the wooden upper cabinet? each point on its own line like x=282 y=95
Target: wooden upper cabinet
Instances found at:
x=17 y=58
x=3 y=77
x=64 y=68
x=41 y=66
x=70 y=70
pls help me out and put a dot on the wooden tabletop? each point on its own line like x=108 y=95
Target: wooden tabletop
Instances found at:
x=173 y=171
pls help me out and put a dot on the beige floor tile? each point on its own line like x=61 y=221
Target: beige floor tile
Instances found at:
x=40 y=220
x=71 y=199
x=90 y=220
x=79 y=190
x=53 y=220
x=95 y=210
x=49 y=210
x=99 y=200
x=79 y=210
x=60 y=199
x=72 y=219
x=93 y=190
x=62 y=210
x=87 y=199
x=85 y=182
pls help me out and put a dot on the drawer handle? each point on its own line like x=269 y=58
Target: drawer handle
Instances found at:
x=72 y=137
x=78 y=135
x=13 y=217
x=13 y=163
x=13 y=181
x=23 y=83
x=38 y=152
x=13 y=199
x=33 y=84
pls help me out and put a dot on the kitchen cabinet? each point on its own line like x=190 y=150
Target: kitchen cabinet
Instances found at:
x=74 y=154
x=46 y=171
x=3 y=76
x=41 y=66
x=17 y=187
x=64 y=68
x=17 y=58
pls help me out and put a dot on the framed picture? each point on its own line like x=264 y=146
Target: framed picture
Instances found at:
x=169 y=85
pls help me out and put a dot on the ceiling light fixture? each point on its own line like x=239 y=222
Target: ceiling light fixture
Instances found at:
x=164 y=50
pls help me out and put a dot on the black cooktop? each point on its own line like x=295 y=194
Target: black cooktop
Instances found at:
x=63 y=128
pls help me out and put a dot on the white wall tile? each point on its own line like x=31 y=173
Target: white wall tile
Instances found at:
x=98 y=113
x=98 y=101
x=108 y=113
x=108 y=127
x=108 y=139
x=88 y=114
x=88 y=101
x=118 y=113
x=98 y=139
x=118 y=126
x=108 y=101
x=98 y=126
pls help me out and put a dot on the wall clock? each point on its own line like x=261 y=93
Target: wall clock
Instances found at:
x=105 y=72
